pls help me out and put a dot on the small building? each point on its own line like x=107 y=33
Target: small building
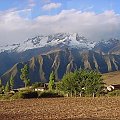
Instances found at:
x=113 y=87
x=40 y=89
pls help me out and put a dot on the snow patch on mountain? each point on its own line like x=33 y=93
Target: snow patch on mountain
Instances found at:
x=9 y=48
x=72 y=40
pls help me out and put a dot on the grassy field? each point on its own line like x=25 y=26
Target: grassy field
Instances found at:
x=112 y=78
x=102 y=108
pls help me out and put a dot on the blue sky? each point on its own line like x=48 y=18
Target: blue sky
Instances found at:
x=94 y=19
x=97 y=6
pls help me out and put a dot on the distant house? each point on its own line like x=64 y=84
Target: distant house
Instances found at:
x=40 y=89
x=13 y=91
x=45 y=87
x=113 y=87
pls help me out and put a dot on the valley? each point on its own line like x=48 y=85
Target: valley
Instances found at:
x=59 y=60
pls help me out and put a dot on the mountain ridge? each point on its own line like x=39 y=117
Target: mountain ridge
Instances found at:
x=68 y=39
x=67 y=53
x=61 y=62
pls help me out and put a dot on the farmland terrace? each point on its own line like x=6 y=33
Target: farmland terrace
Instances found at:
x=103 y=108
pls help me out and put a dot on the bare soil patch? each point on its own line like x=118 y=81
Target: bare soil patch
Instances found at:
x=103 y=108
x=112 y=78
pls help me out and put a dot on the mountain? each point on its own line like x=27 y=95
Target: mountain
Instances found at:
x=12 y=54
x=60 y=52
x=72 y=40
x=62 y=61
x=111 y=46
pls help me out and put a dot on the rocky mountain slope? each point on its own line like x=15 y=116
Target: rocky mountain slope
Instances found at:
x=62 y=61
x=111 y=46
x=60 y=52
x=12 y=54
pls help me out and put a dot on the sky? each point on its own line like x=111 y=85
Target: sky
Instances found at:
x=23 y=19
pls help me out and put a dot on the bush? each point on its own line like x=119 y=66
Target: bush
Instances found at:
x=1 y=96
x=49 y=94
x=15 y=96
x=28 y=94
x=6 y=96
x=25 y=95
x=114 y=93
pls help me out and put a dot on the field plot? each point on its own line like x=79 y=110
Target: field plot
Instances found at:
x=112 y=78
x=61 y=108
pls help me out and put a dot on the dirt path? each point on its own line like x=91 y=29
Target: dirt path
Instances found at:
x=61 y=108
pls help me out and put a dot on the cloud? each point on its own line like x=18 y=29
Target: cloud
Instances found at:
x=51 y=6
x=15 y=28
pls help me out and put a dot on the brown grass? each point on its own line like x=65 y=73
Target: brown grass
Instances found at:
x=61 y=108
x=112 y=78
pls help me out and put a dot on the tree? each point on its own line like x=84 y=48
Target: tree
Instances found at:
x=51 y=84
x=88 y=82
x=69 y=84
x=80 y=76
x=24 y=75
x=11 y=82
x=94 y=83
x=0 y=85
x=59 y=86
x=7 y=87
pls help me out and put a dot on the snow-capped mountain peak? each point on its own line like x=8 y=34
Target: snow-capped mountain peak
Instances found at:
x=73 y=40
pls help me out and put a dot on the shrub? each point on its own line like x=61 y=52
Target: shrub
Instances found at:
x=6 y=96
x=15 y=96
x=114 y=93
x=49 y=94
x=25 y=95
x=28 y=94
x=1 y=96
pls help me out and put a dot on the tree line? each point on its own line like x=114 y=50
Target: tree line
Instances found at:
x=77 y=83
x=10 y=83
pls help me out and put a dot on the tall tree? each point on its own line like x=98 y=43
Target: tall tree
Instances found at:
x=0 y=85
x=51 y=84
x=11 y=82
x=7 y=87
x=25 y=75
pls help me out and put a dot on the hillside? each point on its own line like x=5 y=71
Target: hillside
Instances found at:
x=61 y=62
x=112 y=78
x=42 y=44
